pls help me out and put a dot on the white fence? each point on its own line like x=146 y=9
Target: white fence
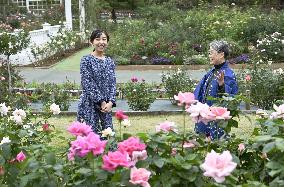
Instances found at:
x=38 y=38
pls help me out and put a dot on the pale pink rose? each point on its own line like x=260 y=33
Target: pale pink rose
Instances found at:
x=200 y=112
x=139 y=155
x=20 y=157
x=79 y=129
x=186 y=98
x=220 y=112
x=188 y=145
x=174 y=151
x=119 y=115
x=279 y=110
x=140 y=176
x=166 y=127
x=2 y=171
x=248 y=78
x=218 y=165
x=2 y=78
x=241 y=147
x=115 y=159
x=130 y=145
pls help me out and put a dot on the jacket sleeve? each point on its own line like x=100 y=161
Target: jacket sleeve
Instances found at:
x=90 y=89
x=231 y=85
x=112 y=84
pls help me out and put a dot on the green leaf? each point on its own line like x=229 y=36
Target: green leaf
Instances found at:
x=2 y=160
x=50 y=158
x=263 y=138
x=268 y=147
x=85 y=171
x=159 y=162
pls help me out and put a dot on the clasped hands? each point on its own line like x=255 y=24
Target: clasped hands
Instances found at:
x=106 y=107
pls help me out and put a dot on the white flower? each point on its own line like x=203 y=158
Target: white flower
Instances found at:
x=26 y=126
x=233 y=4
x=134 y=90
x=107 y=132
x=262 y=50
x=30 y=133
x=144 y=57
x=3 y=109
x=19 y=112
x=5 y=140
x=125 y=123
x=17 y=119
x=54 y=108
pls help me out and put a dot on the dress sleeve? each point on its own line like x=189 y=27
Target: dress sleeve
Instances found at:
x=112 y=83
x=88 y=83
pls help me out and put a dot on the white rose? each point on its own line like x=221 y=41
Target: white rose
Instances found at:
x=54 y=108
x=5 y=140
x=125 y=123
x=107 y=132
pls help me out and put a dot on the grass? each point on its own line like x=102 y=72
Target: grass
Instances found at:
x=72 y=63
x=147 y=124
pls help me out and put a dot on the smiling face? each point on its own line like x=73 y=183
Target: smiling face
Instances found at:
x=100 y=42
x=215 y=57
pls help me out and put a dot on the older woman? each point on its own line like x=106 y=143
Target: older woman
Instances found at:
x=220 y=79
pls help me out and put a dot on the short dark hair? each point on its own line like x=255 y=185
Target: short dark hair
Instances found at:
x=97 y=33
x=220 y=46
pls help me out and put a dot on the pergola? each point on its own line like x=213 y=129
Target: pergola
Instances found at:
x=40 y=5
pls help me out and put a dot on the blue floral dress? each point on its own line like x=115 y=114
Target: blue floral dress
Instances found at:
x=98 y=82
x=208 y=86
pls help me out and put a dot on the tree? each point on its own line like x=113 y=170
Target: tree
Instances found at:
x=11 y=44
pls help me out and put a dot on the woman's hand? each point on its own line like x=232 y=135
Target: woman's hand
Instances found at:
x=107 y=107
x=221 y=78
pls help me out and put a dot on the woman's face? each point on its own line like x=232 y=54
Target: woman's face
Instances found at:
x=100 y=43
x=215 y=57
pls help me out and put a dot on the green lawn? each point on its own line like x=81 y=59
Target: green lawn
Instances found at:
x=72 y=63
x=147 y=124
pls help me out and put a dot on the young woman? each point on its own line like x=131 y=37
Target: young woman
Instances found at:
x=98 y=82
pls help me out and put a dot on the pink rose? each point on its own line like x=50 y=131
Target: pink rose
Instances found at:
x=134 y=79
x=248 y=78
x=166 y=127
x=130 y=145
x=140 y=176
x=79 y=147
x=241 y=147
x=85 y=144
x=45 y=127
x=174 y=151
x=220 y=112
x=114 y=159
x=2 y=170
x=200 y=112
x=79 y=129
x=95 y=144
x=119 y=115
x=218 y=165
x=2 y=78
x=139 y=155
x=188 y=145
x=186 y=98
x=20 y=157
